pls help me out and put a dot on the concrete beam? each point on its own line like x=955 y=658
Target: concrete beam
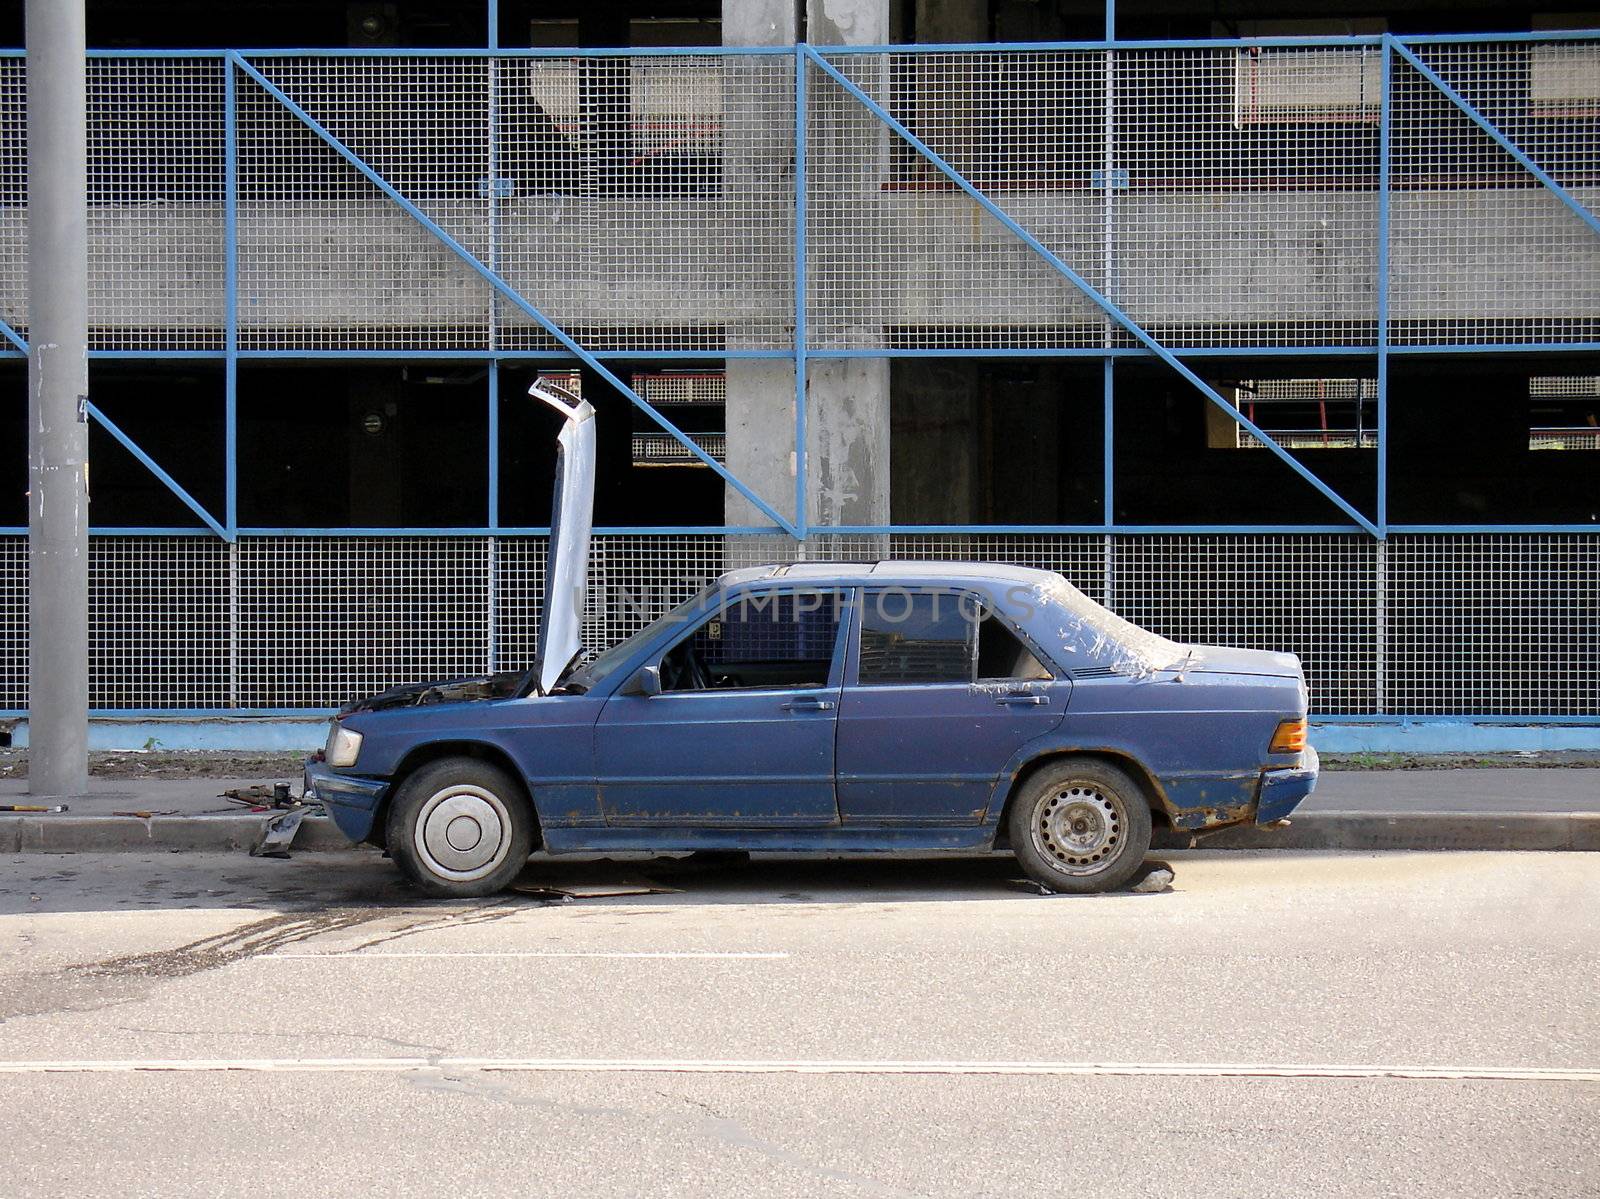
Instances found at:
x=723 y=261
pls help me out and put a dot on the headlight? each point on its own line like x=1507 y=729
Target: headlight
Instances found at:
x=344 y=746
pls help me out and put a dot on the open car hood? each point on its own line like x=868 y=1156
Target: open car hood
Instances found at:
x=571 y=520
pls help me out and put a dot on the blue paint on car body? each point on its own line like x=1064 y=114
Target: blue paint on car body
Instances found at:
x=769 y=737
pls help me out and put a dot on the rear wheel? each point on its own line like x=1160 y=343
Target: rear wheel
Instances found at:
x=460 y=828
x=1080 y=825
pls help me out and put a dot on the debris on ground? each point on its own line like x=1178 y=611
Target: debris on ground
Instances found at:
x=278 y=832
x=147 y=813
x=29 y=807
x=260 y=797
x=1151 y=878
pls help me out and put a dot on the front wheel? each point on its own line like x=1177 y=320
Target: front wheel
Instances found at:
x=1080 y=826
x=460 y=828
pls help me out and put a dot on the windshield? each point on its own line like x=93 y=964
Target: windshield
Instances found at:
x=587 y=676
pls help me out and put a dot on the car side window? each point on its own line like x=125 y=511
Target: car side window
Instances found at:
x=1003 y=655
x=916 y=637
x=760 y=640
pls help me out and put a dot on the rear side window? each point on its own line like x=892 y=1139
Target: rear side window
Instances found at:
x=1002 y=655
x=917 y=638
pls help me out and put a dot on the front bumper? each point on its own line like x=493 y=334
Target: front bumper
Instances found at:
x=351 y=801
x=1282 y=790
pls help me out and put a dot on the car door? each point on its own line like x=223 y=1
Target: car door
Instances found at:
x=742 y=732
x=939 y=696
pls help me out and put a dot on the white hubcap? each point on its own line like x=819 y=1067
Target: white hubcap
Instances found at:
x=463 y=832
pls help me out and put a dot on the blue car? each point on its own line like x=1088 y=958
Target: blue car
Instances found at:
x=887 y=707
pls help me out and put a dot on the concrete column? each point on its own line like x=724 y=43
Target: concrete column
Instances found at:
x=847 y=403
x=58 y=384
x=760 y=411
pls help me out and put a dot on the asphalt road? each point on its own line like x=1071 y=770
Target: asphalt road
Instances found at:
x=1278 y=1024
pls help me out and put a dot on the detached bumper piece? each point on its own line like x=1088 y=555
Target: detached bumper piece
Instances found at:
x=1282 y=790
x=351 y=801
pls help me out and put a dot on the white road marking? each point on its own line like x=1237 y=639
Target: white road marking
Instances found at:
x=355 y=1065
x=358 y=955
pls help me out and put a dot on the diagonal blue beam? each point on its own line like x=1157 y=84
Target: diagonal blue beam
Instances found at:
x=1089 y=290
x=495 y=280
x=13 y=336
x=1505 y=143
x=173 y=485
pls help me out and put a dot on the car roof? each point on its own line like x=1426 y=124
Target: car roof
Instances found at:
x=892 y=571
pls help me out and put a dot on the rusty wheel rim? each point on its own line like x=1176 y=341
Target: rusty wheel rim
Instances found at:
x=1079 y=827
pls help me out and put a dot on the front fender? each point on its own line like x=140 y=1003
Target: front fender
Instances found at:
x=547 y=742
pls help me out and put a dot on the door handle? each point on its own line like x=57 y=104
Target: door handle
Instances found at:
x=809 y=704
x=1023 y=701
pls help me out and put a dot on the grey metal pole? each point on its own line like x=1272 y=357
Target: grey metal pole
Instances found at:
x=58 y=383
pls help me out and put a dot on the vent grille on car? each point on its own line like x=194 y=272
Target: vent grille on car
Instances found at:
x=1095 y=672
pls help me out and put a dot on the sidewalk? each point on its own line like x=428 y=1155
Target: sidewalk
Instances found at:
x=1480 y=808
x=1488 y=808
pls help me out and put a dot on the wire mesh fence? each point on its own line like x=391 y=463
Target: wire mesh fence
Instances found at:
x=326 y=259
x=1487 y=624
x=1483 y=252
x=1223 y=196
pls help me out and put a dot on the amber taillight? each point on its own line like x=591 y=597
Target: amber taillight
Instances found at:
x=1290 y=737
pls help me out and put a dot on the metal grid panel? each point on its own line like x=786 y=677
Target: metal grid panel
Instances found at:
x=1563 y=386
x=156 y=224
x=420 y=123
x=1564 y=439
x=159 y=622
x=647 y=203
x=662 y=449
x=1482 y=252
x=1472 y=624
x=1244 y=194
x=324 y=620
x=1082 y=559
x=326 y=260
x=14 y=195
x=681 y=387
x=13 y=622
x=899 y=257
x=1494 y=624
x=519 y=573
x=632 y=580
x=1313 y=595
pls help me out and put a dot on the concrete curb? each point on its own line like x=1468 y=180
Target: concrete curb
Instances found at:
x=1420 y=831
x=1330 y=830
x=159 y=834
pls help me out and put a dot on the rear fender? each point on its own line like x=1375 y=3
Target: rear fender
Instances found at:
x=1035 y=754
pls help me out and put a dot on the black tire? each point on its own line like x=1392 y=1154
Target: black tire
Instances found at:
x=1080 y=826
x=461 y=828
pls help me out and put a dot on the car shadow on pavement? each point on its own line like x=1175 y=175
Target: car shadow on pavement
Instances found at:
x=311 y=881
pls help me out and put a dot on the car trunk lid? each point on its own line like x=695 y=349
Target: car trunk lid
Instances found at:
x=1223 y=659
